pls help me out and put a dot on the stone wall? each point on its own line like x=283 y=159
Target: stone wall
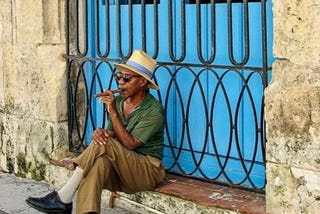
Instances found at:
x=292 y=110
x=33 y=109
x=33 y=104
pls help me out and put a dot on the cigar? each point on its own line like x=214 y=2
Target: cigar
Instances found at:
x=118 y=90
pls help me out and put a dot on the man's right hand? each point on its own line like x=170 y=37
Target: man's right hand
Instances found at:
x=109 y=100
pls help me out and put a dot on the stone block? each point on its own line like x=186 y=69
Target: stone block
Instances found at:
x=285 y=151
x=6 y=39
x=28 y=21
x=154 y=202
x=292 y=114
x=53 y=81
x=292 y=189
x=38 y=87
x=1 y=78
x=41 y=22
x=292 y=101
x=54 y=21
x=27 y=144
x=296 y=31
x=5 y=22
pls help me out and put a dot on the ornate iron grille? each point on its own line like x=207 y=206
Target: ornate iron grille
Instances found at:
x=204 y=80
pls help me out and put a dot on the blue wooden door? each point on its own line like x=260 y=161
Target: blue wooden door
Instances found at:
x=212 y=74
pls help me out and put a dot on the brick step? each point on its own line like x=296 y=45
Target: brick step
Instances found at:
x=184 y=195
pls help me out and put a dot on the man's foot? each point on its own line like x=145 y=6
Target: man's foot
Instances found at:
x=50 y=203
x=65 y=162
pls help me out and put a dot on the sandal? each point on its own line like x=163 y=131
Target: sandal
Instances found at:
x=65 y=162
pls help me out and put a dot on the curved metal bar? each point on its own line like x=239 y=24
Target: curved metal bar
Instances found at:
x=107 y=30
x=77 y=29
x=212 y=34
x=167 y=130
x=75 y=113
x=70 y=105
x=230 y=34
x=264 y=42
x=182 y=33
x=241 y=158
x=130 y=24
x=264 y=73
x=210 y=128
x=155 y=30
x=92 y=91
x=229 y=111
x=143 y=26
x=77 y=125
x=185 y=121
x=101 y=86
x=99 y=79
x=202 y=93
x=180 y=103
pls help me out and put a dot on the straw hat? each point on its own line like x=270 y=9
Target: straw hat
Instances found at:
x=142 y=64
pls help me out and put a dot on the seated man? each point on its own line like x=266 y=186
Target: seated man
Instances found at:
x=124 y=157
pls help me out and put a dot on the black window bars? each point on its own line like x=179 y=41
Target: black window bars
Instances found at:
x=96 y=40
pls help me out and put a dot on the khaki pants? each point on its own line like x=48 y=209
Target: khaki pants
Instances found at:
x=115 y=168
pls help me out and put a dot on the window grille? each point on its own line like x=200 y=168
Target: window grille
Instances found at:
x=96 y=40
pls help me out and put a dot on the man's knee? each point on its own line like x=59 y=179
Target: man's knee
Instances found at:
x=99 y=170
x=113 y=147
x=102 y=162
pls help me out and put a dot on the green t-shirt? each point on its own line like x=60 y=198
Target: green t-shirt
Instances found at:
x=145 y=123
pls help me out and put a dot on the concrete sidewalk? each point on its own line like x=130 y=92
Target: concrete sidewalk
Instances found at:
x=15 y=190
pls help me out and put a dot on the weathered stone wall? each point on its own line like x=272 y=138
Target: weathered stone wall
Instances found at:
x=33 y=111
x=33 y=104
x=292 y=110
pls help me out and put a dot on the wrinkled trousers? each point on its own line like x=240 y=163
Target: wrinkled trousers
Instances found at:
x=113 y=167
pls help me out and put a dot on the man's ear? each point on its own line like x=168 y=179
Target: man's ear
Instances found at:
x=144 y=82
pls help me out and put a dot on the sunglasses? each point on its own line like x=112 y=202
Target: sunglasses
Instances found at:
x=125 y=77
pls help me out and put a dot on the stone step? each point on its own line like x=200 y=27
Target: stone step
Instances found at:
x=183 y=195
x=178 y=194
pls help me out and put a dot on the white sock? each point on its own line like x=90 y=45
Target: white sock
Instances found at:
x=67 y=192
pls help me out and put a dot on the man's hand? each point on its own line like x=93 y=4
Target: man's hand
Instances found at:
x=109 y=100
x=100 y=136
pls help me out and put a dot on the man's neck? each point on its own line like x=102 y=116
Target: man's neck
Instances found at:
x=136 y=99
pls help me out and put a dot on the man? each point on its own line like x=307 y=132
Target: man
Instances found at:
x=127 y=155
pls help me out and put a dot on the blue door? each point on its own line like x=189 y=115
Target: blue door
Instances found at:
x=214 y=63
